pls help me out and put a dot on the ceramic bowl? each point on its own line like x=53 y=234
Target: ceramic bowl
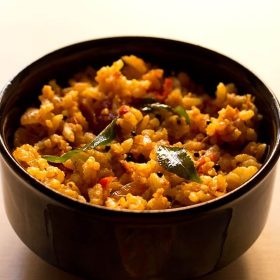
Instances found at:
x=99 y=243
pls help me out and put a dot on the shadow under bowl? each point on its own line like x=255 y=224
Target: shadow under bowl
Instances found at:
x=100 y=243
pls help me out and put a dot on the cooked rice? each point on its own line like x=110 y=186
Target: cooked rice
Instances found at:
x=221 y=138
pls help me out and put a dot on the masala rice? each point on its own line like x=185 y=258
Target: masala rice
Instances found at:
x=221 y=138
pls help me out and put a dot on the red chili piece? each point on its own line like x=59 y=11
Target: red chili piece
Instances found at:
x=105 y=181
x=123 y=110
x=167 y=88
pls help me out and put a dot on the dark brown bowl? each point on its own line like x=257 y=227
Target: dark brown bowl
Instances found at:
x=100 y=243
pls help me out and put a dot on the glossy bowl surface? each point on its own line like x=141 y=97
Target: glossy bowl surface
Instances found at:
x=100 y=243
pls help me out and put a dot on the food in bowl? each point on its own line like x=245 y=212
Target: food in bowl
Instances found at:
x=130 y=136
x=142 y=244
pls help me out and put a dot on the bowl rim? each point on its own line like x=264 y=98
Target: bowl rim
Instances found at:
x=185 y=210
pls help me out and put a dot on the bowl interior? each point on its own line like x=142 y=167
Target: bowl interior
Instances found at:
x=204 y=66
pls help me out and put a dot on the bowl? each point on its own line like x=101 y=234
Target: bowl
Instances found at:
x=100 y=243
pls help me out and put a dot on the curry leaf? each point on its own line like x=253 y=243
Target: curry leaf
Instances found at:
x=179 y=110
x=177 y=161
x=148 y=100
x=63 y=158
x=103 y=138
x=182 y=112
x=156 y=106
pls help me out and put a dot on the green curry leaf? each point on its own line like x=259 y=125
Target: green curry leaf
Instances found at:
x=103 y=138
x=179 y=110
x=177 y=161
x=182 y=112
x=156 y=106
x=62 y=158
